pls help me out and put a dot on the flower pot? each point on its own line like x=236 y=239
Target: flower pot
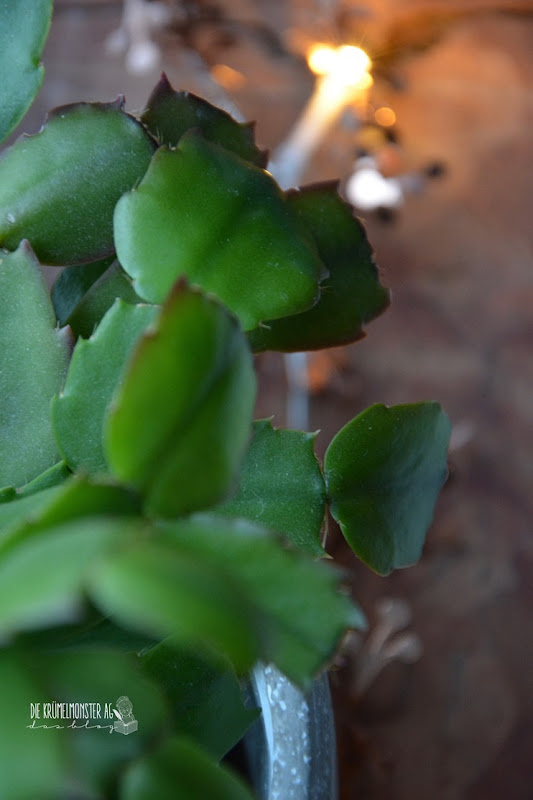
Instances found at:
x=291 y=747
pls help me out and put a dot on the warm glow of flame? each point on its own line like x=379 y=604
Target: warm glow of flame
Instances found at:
x=385 y=116
x=365 y=81
x=321 y=58
x=228 y=77
x=353 y=60
x=347 y=63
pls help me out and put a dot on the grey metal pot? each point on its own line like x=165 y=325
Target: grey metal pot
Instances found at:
x=291 y=748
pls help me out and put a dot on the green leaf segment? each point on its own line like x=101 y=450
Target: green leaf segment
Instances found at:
x=58 y=188
x=170 y=114
x=24 y=26
x=95 y=373
x=351 y=295
x=204 y=213
x=33 y=360
x=206 y=681
x=281 y=486
x=181 y=770
x=384 y=470
x=192 y=383
x=83 y=293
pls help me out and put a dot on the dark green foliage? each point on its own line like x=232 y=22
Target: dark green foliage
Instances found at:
x=384 y=470
x=23 y=29
x=351 y=296
x=281 y=486
x=58 y=188
x=170 y=114
x=204 y=213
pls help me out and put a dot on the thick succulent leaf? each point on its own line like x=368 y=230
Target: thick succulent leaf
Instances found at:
x=24 y=27
x=383 y=471
x=300 y=613
x=350 y=297
x=206 y=697
x=202 y=212
x=83 y=293
x=53 y=476
x=227 y=586
x=94 y=631
x=113 y=284
x=7 y=494
x=42 y=577
x=160 y=590
x=98 y=675
x=73 y=283
x=68 y=762
x=33 y=360
x=20 y=510
x=181 y=420
x=76 y=498
x=48 y=755
x=170 y=114
x=180 y=770
x=58 y=189
x=95 y=372
x=281 y=486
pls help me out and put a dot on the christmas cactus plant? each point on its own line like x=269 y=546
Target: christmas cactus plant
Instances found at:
x=156 y=541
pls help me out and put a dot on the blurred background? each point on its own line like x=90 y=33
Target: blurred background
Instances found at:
x=437 y=701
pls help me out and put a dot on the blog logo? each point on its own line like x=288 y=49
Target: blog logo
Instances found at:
x=125 y=722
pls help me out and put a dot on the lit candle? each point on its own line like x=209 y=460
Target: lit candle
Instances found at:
x=343 y=79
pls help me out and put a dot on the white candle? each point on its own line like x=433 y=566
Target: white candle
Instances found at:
x=343 y=79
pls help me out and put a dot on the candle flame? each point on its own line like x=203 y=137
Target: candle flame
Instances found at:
x=321 y=58
x=346 y=63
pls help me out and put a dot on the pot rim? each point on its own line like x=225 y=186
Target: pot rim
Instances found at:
x=291 y=747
